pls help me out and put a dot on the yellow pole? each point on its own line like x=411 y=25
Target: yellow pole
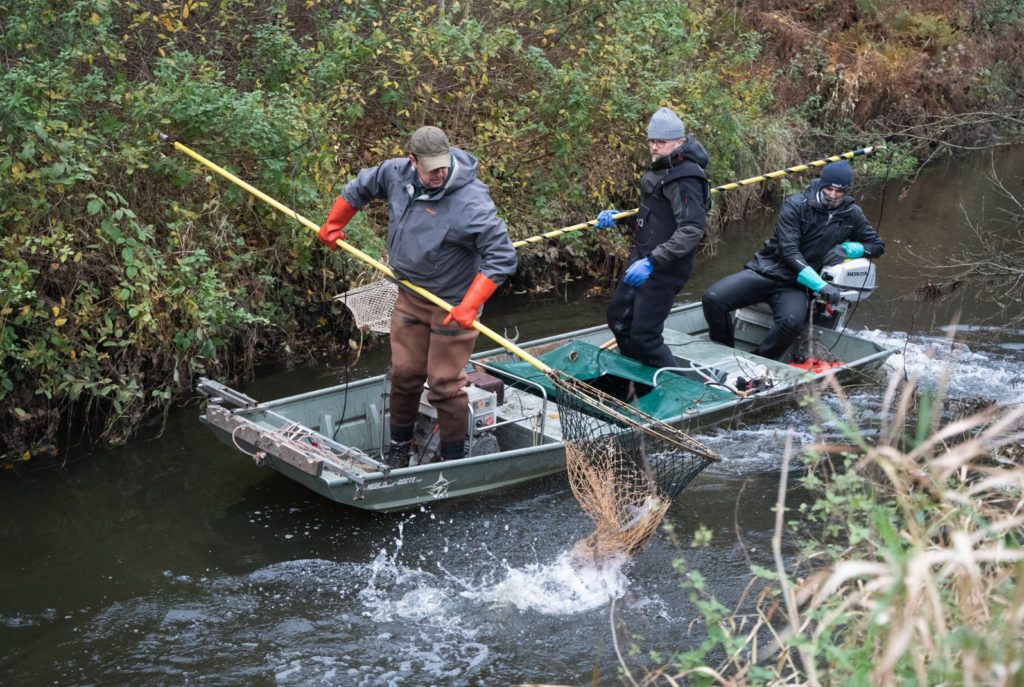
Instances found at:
x=724 y=187
x=358 y=254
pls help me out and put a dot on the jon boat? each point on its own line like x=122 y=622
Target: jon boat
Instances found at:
x=330 y=439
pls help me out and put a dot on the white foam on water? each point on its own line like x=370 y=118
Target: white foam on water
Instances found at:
x=758 y=447
x=410 y=659
x=992 y=376
x=309 y=621
x=398 y=593
x=562 y=587
x=305 y=570
x=19 y=620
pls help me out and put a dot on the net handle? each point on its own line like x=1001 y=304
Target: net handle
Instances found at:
x=358 y=254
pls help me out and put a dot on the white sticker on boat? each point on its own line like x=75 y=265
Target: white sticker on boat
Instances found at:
x=439 y=489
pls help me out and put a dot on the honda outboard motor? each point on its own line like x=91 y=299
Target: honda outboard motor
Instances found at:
x=855 y=280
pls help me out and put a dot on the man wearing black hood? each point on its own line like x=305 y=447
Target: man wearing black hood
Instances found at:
x=818 y=227
x=675 y=198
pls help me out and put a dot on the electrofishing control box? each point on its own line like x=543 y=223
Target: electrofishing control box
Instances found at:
x=483 y=408
x=487 y=382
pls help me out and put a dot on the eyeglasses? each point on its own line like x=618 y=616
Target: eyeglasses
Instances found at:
x=657 y=142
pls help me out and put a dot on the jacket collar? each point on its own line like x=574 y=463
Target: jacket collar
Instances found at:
x=689 y=151
x=419 y=192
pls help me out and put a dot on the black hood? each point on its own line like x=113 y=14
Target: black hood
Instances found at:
x=691 y=150
x=811 y=192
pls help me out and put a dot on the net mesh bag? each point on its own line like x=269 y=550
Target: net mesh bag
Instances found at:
x=371 y=305
x=624 y=467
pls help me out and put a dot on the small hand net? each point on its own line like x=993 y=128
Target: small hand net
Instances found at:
x=371 y=305
x=624 y=466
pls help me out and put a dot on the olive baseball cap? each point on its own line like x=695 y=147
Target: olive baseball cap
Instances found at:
x=431 y=148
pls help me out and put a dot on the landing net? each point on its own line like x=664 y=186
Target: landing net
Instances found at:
x=371 y=305
x=624 y=466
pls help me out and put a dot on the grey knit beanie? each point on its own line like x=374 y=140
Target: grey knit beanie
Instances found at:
x=665 y=126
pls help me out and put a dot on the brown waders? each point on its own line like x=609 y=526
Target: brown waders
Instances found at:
x=424 y=350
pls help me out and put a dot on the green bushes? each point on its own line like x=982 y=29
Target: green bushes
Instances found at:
x=130 y=271
x=125 y=279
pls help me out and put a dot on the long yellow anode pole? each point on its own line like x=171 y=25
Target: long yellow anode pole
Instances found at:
x=358 y=254
x=554 y=233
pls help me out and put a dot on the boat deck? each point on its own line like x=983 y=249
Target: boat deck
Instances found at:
x=706 y=369
x=538 y=416
x=724 y=362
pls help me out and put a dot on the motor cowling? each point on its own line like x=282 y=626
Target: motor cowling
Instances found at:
x=855 y=278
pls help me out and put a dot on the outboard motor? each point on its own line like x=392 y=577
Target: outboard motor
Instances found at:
x=855 y=280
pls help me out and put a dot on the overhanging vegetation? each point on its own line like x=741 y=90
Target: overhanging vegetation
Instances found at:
x=127 y=272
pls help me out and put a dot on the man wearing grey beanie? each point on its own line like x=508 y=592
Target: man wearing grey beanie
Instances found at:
x=674 y=201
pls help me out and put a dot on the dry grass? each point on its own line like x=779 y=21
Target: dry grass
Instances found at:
x=914 y=570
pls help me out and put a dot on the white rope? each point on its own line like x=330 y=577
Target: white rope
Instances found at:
x=300 y=438
x=257 y=456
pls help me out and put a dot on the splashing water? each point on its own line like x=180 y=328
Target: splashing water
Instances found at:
x=757 y=448
x=993 y=375
x=559 y=588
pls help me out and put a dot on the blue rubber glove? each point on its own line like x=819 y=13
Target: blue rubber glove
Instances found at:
x=854 y=249
x=605 y=218
x=638 y=272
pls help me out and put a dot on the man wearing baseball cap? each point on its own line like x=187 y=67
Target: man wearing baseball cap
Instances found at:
x=444 y=234
x=818 y=227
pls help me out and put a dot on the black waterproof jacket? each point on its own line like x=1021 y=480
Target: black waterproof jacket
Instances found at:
x=675 y=198
x=807 y=230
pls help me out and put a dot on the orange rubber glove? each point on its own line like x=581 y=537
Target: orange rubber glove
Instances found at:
x=465 y=312
x=337 y=218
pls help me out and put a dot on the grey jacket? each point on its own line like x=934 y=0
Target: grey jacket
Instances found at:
x=439 y=241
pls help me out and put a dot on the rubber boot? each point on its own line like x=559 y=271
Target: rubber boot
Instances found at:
x=398 y=454
x=453 y=450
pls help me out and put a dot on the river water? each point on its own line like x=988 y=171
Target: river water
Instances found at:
x=175 y=560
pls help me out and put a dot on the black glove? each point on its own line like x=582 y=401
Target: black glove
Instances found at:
x=835 y=256
x=829 y=294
